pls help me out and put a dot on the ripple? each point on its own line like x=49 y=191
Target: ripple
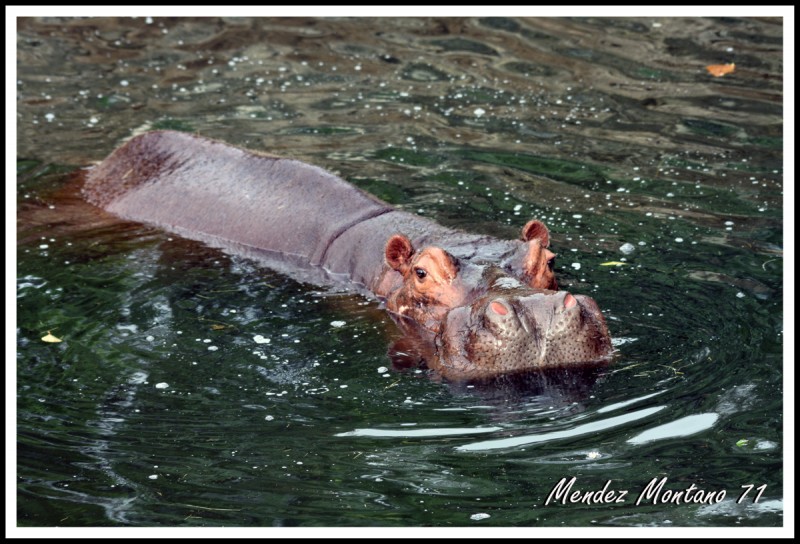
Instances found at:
x=587 y=428
x=417 y=433
x=684 y=426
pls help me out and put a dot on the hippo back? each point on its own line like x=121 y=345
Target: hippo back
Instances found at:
x=228 y=196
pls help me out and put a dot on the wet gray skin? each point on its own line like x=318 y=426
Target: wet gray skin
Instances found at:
x=513 y=328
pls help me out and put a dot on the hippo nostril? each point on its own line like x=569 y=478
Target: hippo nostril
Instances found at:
x=498 y=308
x=569 y=301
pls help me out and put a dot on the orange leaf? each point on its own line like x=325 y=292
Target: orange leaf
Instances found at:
x=719 y=70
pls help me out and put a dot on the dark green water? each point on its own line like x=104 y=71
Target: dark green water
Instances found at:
x=193 y=388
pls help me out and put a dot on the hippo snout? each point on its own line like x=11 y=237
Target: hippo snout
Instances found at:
x=498 y=309
x=501 y=334
x=505 y=315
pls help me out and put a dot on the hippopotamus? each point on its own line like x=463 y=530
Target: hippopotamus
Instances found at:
x=486 y=306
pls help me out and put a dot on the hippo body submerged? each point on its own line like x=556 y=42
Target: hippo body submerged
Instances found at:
x=314 y=226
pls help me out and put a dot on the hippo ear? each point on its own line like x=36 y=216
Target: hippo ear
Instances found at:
x=538 y=268
x=536 y=230
x=538 y=263
x=398 y=253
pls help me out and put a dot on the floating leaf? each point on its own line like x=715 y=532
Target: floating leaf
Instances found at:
x=50 y=338
x=742 y=443
x=218 y=327
x=719 y=70
x=613 y=263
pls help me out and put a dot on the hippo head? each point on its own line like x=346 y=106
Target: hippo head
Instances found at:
x=508 y=327
x=520 y=330
x=434 y=281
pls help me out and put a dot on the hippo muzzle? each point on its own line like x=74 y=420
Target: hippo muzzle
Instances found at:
x=508 y=332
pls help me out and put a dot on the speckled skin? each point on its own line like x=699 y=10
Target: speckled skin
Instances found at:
x=516 y=332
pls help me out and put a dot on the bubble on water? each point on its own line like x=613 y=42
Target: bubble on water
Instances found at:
x=137 y=378
x=627 y=248
x=576 y=266
x=479 y=516
x=765 y=445
x=49 y=117
x=261 y=339
x=337 y=324
x=212 y=348
x=269 y=418
x=153 y=476
x=162 y=385
x=479 y=112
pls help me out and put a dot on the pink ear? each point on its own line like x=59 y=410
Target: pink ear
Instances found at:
x=398 y=253
x=536 y=230
x=538 y=273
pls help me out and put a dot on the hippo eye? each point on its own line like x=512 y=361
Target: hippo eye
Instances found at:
x=421 y=273
x=551 y=262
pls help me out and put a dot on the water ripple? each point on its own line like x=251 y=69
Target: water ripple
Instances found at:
x=593 y=427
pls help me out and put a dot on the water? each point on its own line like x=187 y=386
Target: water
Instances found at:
x=196 y=389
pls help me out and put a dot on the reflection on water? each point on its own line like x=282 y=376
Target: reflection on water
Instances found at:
x=588 y=428
x=684 y=426
x=194 y=388
x=418 y=433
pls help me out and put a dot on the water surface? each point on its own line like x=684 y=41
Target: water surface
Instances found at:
x=194 y=388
